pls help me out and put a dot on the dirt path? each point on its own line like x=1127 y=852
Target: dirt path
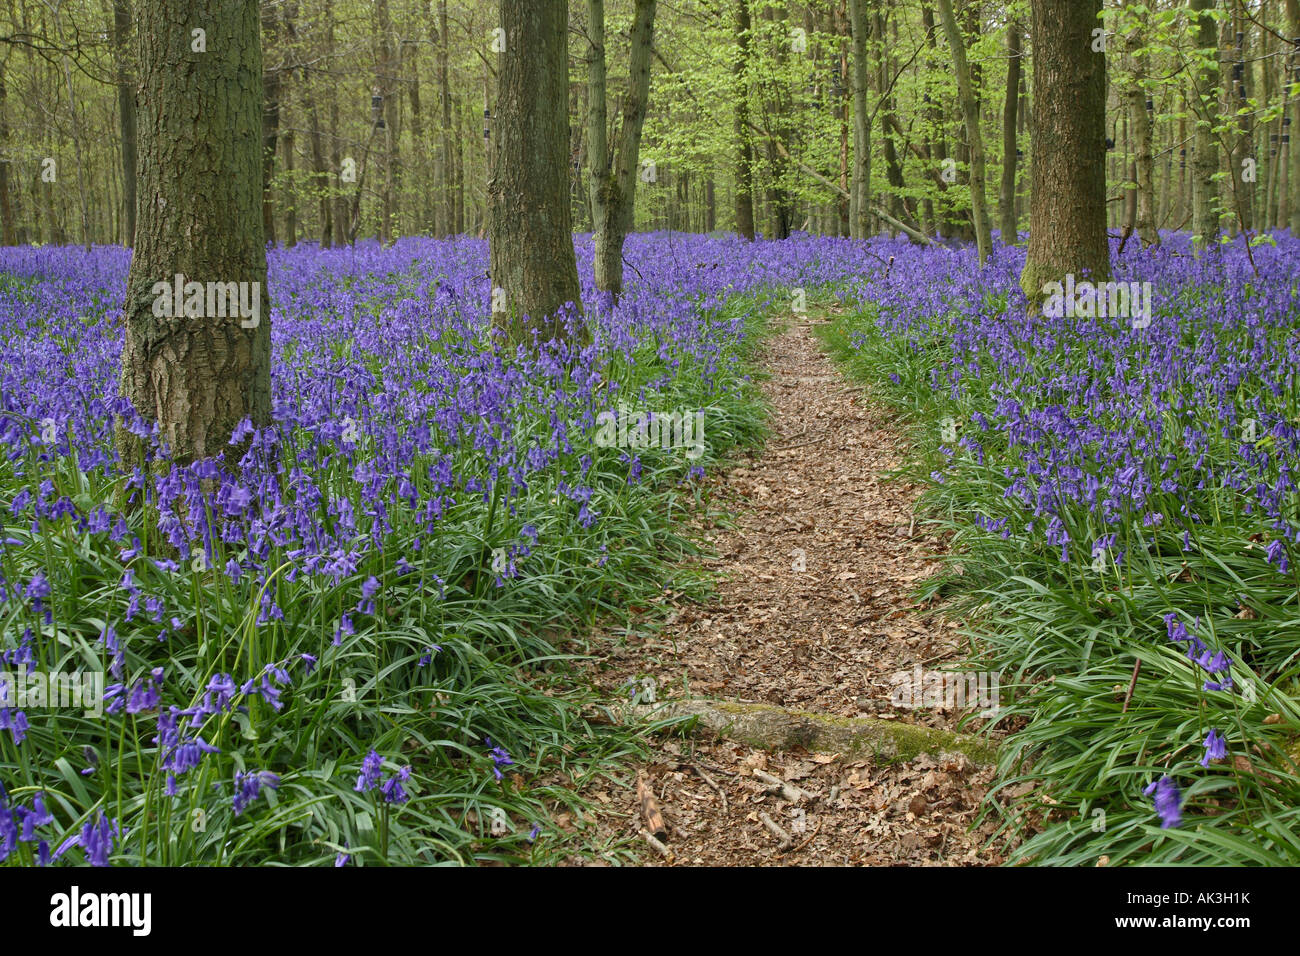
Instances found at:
x=813 y=612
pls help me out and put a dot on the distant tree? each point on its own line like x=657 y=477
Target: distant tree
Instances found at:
x=614 y=166
x=971 y=115
x=744 y=146
x=1205 y=98
x=860 y=189
x=1007 y=192
x=126 y=112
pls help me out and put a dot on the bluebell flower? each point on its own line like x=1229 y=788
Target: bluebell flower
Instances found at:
x=1166 y=799
x=371 y=767
x=97 y=840
x=499 y=758
x=392 y=787
x=249 y=785
x=1277 y=555
x=1216 y=748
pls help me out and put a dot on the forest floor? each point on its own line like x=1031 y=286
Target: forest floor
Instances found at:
x=814 y=611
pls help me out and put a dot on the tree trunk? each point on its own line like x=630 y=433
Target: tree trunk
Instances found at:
x=459 y=166
x=1293 y=146
x=447 y=201
x=614 y=171
x=745 y=150
x=426 y=219
x=125 y=112
x=8 y=235
x=290 y=199
x=387 y=70
x=779 y=130
x=1205 y=156
x=1007 y=193
x=339 y=198
x=970 y=110
x=200 y=190
x=1140 y=127
x=1067 y=208
x=859 y=26
x=531 y=246
x=270 y=121
x=320 y=178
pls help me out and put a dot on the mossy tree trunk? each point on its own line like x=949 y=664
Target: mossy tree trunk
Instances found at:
x=614 y=167
x=971 y=115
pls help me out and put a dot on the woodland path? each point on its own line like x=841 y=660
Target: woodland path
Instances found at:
x=823 y=639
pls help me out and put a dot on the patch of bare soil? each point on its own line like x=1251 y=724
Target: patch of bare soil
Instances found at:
x=814 y=611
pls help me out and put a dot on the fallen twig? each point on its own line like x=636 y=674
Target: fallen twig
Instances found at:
x=1132 y=683
x=807 y=841
x=659 y=847
x=787 y=841
x=788 y=791
x=709 y=780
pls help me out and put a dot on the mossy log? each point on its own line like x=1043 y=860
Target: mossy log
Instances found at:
x=768 y=727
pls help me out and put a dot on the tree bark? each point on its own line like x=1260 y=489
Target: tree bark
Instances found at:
x=8 y=235
x=426 y=218
x=531 y=245
x=614 y=171
x=1067 y=206
x=1144 y=158
x=896 y=203
x=320 y=177
x=859 y=27
x=387 y=70
x=199 y=207
x=1067 y=209
x=270 y=121
x=1007 y=193
x=1293 y=146
x=1205 y=156
x=290 y=198
x=125 y=112
x=745 y=149
x=339 y=198
x=776 y=107
x=970 y=111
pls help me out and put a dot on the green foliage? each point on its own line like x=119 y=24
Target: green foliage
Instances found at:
x=1067 y=637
